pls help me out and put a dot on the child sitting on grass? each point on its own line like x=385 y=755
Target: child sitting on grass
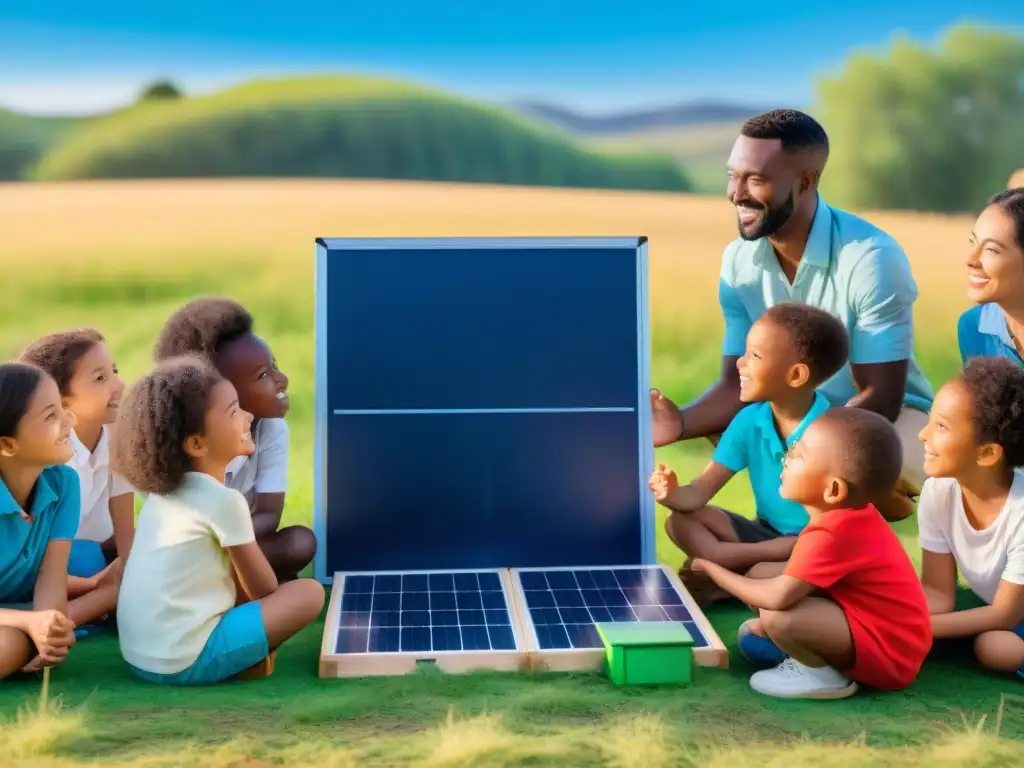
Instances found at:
x=971 y=512
x=791 y=350
x=90 y=387
x=39 y=506
x=847 y=608
x=221 y=332
x=199 y=602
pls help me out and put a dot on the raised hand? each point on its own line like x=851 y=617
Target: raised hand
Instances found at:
x=663 y=481
x=666 y=421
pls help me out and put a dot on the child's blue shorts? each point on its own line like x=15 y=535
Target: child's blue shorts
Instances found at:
x=238 y=642
x=86 y=558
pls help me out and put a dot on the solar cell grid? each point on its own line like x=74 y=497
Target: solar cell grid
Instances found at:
x=424 y=612
x=564 y=605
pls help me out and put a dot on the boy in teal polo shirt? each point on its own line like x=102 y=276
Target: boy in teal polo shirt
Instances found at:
x=790 y=350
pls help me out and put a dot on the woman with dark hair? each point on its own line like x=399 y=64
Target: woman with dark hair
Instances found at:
x=995 y=281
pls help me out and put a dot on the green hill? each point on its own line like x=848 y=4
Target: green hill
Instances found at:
x=24 y=139
x=343 y=127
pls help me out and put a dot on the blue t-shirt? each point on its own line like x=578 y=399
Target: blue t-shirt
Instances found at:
x=982 y=332
x=752 y=442
x=54 y=508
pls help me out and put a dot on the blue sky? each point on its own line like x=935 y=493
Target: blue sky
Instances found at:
x=596 y=55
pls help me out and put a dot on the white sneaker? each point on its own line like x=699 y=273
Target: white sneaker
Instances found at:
x=793 y=680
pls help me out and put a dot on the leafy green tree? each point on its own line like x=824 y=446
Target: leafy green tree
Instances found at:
x=161 y=90
x=919 y=129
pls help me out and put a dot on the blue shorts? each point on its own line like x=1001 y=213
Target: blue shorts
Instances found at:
x=86 y=558
x=238 y=642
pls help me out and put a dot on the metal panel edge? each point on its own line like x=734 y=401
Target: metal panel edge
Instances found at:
x=648 y=544
x=424 y=243
x=320 y=414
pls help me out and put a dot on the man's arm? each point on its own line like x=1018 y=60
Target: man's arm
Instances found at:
x=882 y=295
x=880 y=387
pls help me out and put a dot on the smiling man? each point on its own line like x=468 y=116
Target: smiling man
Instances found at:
x=794 y=247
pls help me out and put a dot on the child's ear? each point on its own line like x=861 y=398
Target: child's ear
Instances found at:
x=990 y=454
x=836 y=491
x=195 y=446
x=799 y=375
x=8 y=447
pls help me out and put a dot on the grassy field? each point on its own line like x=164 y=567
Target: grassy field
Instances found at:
x=122 y=256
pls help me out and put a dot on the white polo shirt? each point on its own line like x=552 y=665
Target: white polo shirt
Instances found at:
x=984 y=557
x=178 y=579
x=265 y=470
x=98 y=486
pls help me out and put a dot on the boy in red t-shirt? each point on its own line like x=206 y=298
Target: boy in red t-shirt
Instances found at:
x=847 y=608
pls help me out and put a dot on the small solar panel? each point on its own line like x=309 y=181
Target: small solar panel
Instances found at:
x=422 y=614
x=561 y=606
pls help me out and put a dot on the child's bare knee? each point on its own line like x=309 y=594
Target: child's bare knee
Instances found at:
x=311 y=596
x=999 y=651
x=776 y=623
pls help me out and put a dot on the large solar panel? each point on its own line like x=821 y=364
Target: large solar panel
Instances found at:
x=505 y=380
x=561 y=606
x=388 y=622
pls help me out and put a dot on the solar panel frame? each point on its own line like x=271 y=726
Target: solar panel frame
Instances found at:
x=386 y=663
x=714 y=654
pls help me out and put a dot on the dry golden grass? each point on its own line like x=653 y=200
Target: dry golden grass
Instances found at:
x=156 y=226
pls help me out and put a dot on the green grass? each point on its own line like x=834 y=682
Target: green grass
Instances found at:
x=127 y=285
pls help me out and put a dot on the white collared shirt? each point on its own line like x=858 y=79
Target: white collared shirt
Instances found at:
x=265 y=470
x=98 y=486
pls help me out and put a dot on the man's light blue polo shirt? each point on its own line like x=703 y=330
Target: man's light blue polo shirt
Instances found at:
x=55 y=509
x=851 y=269
x=752 y=442
x=982 y=332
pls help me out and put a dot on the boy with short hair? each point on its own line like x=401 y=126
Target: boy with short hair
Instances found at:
x=971 y=514
x=791 y=350
x=847 y=608
x=220 y=331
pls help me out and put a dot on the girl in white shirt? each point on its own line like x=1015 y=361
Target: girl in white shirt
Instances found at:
x=971 y=511
x=90 y=388
x=199 y=602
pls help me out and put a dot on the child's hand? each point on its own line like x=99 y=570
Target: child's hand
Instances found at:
x=698 y=565
x=663 y=481
x=53 y=634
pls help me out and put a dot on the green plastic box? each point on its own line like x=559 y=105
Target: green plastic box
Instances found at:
x=648 y=652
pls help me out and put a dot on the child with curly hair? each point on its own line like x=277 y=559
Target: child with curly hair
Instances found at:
x=971 y=513
x=221 y=332
x=199 y=602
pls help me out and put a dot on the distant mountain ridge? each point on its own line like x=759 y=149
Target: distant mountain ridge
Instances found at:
x=682 y=115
